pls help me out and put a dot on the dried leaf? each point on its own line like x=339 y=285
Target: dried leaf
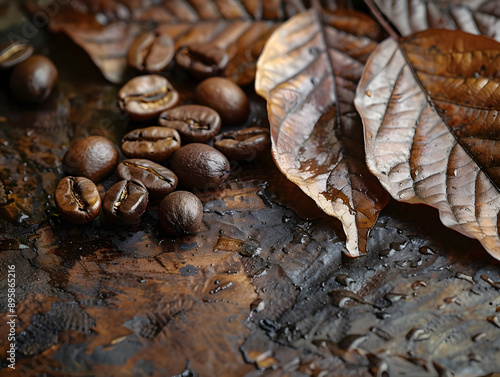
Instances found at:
x=308 y=73
x=238 y=27
x=472 y=16
x=430 y=108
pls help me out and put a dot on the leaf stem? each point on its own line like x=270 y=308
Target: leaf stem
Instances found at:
x=381 y=19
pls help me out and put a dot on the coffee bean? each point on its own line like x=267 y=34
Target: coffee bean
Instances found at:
x=202 y=60
x=157 y=179
x=199 y=166
x=125 y=202
x=244 y=144
x=225 y=97
x=94 y=157
x=152 y=143
x=33 y=80
x=195 y=123
x=151 y=52
x=180 y=213
x=13 y=53
x=145 y=97
x=78 y=200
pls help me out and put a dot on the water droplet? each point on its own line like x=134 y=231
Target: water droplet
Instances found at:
x=344 y=279
x=494 y=284
x=479 y=337
x=258 y=305
x=418 y=334
x=380 y=333
x=221 y=288
x=417 y=284
x=415 y=263
x=382 y=315
x=341 y=296
x=386 y=252
x=461 y=275
x=379 y=366
x=352 y=341
x=494 y=319
x=425 y=250
x=394 y=297
x=398 y=246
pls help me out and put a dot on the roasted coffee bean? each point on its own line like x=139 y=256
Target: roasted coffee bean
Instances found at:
x=34 y=79
x=152 y=143
x=145 y=97
x=94 y=157
x=78 y=200
x=180 y=213
x=244 y=144
x=195 y=123
x=199 y=166
x=13 y=53
x=158 y=180
x=202 y=60
x=125 y=202
x=225 y=97
x=151 y=52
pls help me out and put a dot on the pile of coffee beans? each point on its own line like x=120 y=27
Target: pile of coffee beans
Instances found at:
x=159 y=158
x=32 y=77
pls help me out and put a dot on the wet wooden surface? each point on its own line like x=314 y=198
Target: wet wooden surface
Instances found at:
x=263 y=290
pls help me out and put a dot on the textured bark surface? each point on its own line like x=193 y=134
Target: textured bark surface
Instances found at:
x=263 y=290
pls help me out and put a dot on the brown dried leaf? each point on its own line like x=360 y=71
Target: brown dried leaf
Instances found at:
x=430 y=106
x=238 y=27
x=472 y=16
x=308 y=73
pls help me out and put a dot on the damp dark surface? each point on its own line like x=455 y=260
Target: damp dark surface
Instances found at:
x=263 y=290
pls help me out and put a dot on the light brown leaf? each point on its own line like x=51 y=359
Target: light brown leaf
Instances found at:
x=481 y=17
x=238 y=27
x=308 y=73
x=430 y=107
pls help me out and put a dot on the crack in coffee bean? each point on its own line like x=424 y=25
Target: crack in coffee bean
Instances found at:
x=152 y=171
x=156 y=178
x=157 y=96
x=154 y=143
x=195 y=123
x=123 y=196
x=78 y=199
x=76 y=193
x=125 y=202
x=145 y=97
x=151 y=52
x=149 y=138
x=244 y=144
x=13 y=53
x=202 y=60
